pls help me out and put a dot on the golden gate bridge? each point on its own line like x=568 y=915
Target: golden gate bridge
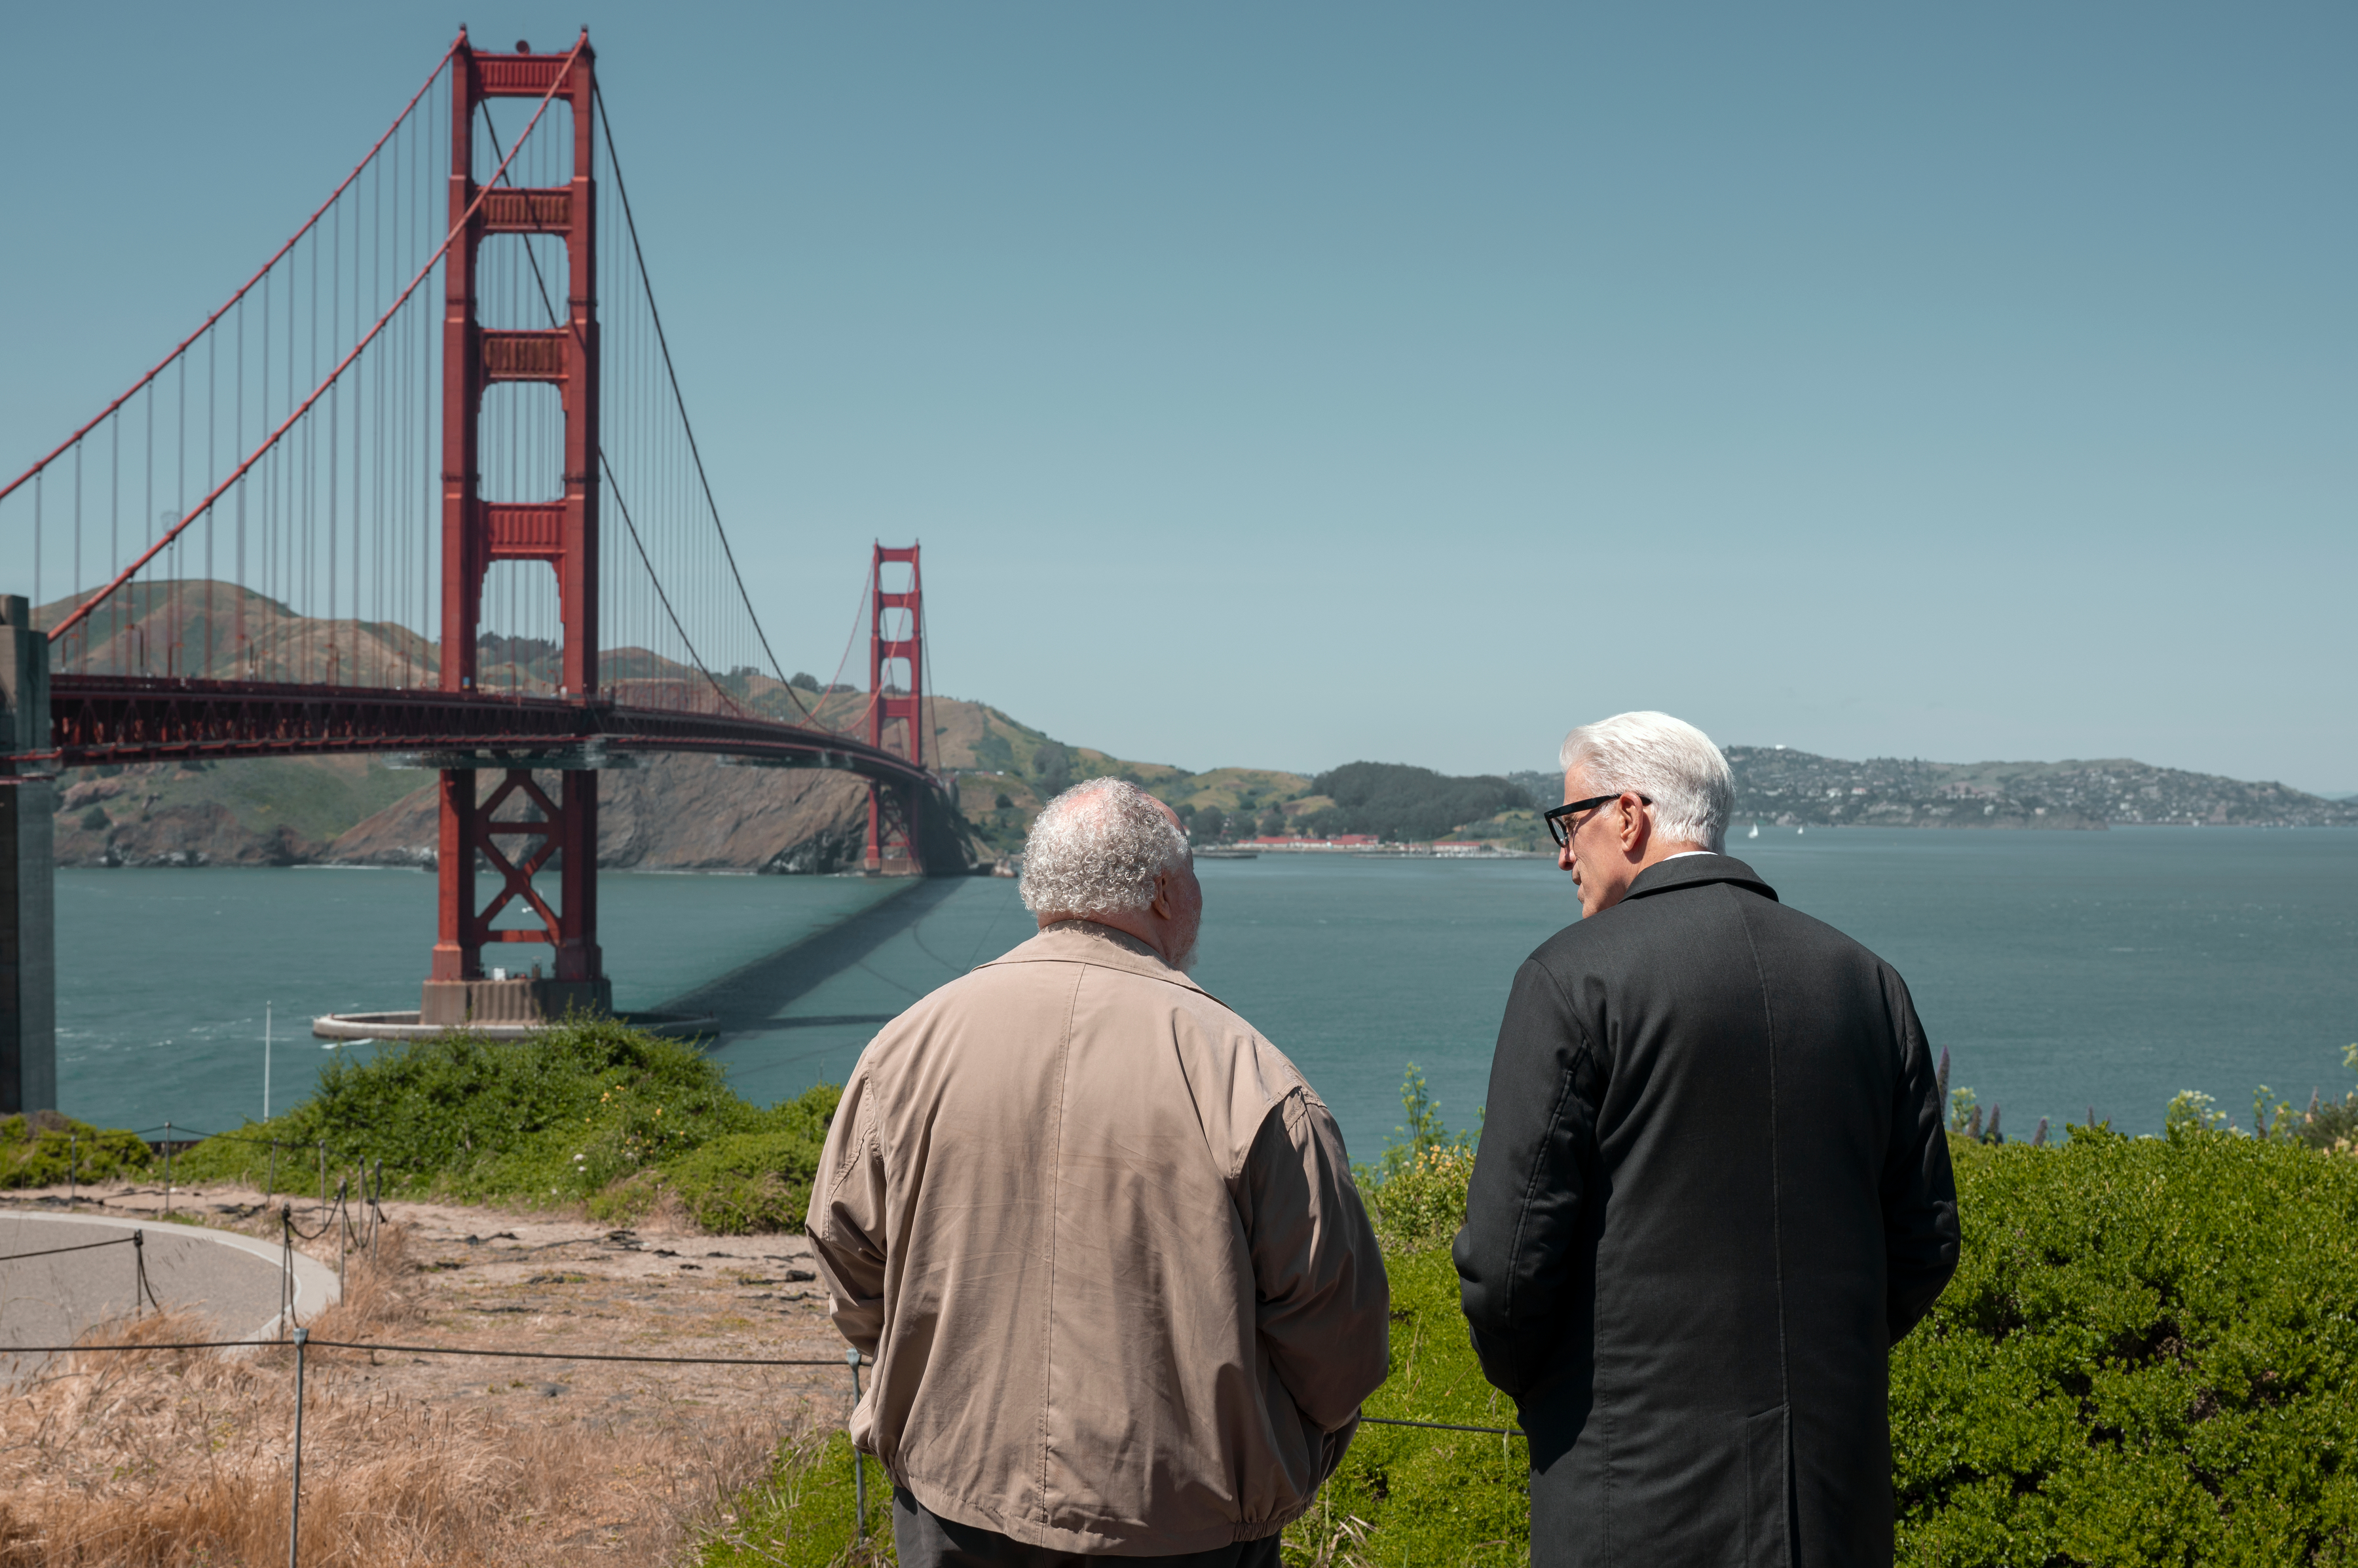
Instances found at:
x=369 y=505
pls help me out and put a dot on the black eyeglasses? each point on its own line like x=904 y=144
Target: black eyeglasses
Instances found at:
x=1558 y=820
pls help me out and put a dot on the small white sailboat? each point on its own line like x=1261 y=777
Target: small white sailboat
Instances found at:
x=1799 y=831
x=1756 y=831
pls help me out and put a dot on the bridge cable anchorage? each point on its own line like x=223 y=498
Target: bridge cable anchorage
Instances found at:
x=81 y=612
x=614 y=484
x=308 y=224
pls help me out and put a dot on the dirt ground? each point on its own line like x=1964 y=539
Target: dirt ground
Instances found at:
x=673 y=1442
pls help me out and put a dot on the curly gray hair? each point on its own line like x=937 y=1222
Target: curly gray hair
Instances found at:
x=1096 y=849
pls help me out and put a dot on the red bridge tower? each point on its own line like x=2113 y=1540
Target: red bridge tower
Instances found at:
x=563 y=533
x=896 y=689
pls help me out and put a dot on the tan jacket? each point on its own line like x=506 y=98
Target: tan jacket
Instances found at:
x=1103 y=1242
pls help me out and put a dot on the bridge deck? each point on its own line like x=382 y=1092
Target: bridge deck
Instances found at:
x=121 y=718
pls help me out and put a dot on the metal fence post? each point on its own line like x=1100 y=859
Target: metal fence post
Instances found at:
x=285 y=1267
x=138 y=1271
x=167 y=1167
x=295 y=1496
x=73 y=1160
x=859 y=1469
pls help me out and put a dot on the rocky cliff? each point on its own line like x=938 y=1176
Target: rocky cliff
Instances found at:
x=672 y=813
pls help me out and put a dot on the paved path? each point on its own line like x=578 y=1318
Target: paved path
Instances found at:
x=234 y=1280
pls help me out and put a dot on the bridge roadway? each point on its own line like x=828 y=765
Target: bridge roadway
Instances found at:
x=127 y=719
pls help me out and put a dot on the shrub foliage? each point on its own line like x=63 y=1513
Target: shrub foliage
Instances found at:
x=37 y=1152
x=2149 y=1354
x=589 y=1111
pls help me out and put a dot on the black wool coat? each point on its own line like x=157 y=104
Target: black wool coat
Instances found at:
x=1713 y=1191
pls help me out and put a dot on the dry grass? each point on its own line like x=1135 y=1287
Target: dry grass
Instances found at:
x=177 y=1459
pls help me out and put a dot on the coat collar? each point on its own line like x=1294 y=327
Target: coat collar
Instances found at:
x=1693 y=871
x=1087 y=942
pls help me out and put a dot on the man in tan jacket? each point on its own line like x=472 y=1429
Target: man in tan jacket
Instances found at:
x=1098 y=1235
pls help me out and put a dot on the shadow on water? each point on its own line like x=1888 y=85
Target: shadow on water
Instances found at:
x=748 y=1001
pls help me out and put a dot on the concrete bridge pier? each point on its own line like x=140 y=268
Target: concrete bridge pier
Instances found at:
x=29 y=805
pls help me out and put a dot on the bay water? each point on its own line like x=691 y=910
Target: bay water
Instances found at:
x=2061 y=970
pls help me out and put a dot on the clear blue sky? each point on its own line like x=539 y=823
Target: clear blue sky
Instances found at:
x=1286 y=385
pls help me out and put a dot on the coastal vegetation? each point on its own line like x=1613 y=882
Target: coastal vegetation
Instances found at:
x=590 y=1112
x=2149 y=1354
x=48 y=1149
x=1390 y=801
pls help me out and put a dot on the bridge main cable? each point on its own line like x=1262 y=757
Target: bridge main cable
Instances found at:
x=663 y=342
x=247 y=288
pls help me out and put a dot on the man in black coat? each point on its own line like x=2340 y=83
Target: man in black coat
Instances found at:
x=1713 y=1191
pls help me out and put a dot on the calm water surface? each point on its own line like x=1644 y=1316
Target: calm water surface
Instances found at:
x=2060 y=969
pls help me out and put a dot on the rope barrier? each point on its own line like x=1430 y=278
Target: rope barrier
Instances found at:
x=437 y=1350
x=1442 y=1426
x=53 y=1251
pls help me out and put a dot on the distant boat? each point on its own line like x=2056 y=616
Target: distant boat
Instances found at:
x=1799 y=831
x=1756 y=831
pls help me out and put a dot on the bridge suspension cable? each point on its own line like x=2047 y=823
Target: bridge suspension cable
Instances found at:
x=250 y=358
x=265 y=506
x=671 y=378
x=646 y=432
x=350 y=662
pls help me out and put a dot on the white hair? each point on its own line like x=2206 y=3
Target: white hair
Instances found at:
x=1668 y=761
x=1097 y=848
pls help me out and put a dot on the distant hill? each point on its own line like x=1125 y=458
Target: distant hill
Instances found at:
x=693 y=812
x=1777 y=783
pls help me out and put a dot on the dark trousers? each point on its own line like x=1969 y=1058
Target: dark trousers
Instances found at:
x=925 y=1540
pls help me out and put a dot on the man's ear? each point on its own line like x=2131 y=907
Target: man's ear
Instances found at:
x=1634 y=825
x=1160 y=904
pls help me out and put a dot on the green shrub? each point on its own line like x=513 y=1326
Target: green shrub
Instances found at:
x=748 y=1183
x=2149 y=1354
x=36 y=1153
x=2329 y=1124
x=591 y=1110
x=1423 y=1202
x=1415 y=1191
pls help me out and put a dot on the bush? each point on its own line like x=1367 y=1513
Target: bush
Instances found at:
x=2149 y=1354
x=757 y=1180
x=36 y=1153
x=1415 y=1191
x=2328 y=1124
x=591 y=1110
